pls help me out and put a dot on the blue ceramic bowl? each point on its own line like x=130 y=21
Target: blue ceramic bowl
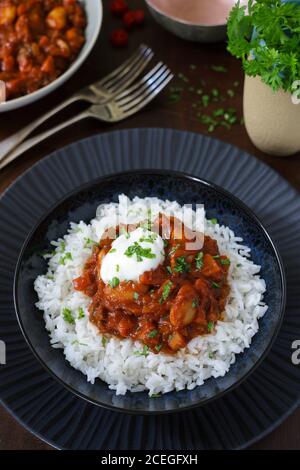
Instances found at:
x=81 y=205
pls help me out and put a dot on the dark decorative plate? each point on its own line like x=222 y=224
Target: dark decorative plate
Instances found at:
x=82 y=204
x=233 y=421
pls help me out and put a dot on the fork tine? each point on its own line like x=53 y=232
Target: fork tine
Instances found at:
x=123 y=82
x=125 y=67
x=150 y=97
x=142 y=85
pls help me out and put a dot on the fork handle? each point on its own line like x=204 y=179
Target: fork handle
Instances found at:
x=29 y=143
x=11 y=142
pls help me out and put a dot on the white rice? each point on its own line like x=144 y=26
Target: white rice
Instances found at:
x=115 y=361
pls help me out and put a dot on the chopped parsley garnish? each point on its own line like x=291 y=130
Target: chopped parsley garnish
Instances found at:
x=112 y=250
x=136 y=295
x=117 y=268
x=155 y=395
x=104 y=341
x=238 y=265
x=219 y=68
x=125 y=233
x=78 y=342
x=62 y=246
x=195 y=303
x=183 y=77
x=166 y=243
x=199 y=260
x=211 y=355
x=181 y=265
x=174 y=249
x=205 y=100
x=81 y=313
x=67 y=316
x=215 y=285
x=158 y=347
x=152 y=334
x=210 y=326
x=89 y=242
x=139 y=251
x=225 y=261
x=144 y=352
x=114 y=282
x=149 y=238
x=169 y=269
x=214 y=221
x=64 y=258
x=166 y=291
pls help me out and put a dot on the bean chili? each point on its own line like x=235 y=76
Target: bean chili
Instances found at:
x=39 y=39
x=183 y=298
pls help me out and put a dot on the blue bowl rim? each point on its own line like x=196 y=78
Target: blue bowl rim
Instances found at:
x=175 y=174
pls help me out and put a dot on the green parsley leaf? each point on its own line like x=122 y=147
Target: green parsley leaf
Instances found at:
x=114 y=282
x=89 y=242
x=195 y=303
x=219 y=68
x=139 y=251
x=155 y=395
x=144 y=352
x=166 y=291
x=149 y=238
x=210 y=326
x=214 y=221
x=215 y=285
x=136 y=295
x=199 y=260
x=225 y=261
x=174 y=249
x=64 y=258
x=169 y=269
x=104 y=341
x=81 y=313
x=181 y=265
x=158 y=347
x=152 y=334
x=67 y=316
x=112 y=250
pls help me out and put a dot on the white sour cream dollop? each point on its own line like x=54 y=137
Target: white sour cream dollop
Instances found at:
x=131 y=255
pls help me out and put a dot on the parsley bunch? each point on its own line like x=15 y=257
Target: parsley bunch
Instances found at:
x=267 y=39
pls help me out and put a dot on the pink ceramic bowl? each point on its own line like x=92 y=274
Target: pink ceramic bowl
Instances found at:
x=194 y=20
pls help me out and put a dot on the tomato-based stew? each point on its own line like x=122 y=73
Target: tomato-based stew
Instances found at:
x=168 y=306
x=39 y=39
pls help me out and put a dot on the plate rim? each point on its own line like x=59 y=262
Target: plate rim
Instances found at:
x=161 y=172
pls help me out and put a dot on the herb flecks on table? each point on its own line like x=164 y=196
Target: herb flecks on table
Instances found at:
x=212 y=104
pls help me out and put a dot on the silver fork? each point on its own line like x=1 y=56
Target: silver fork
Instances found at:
x=124 y=105
x=100 y=92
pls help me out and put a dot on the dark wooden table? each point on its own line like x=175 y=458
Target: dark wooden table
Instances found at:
x=165 y=111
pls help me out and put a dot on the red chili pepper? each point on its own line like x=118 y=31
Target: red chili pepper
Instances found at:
x=129 y=19
x=119 y=37
x=139 y=16
x=118 y=7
